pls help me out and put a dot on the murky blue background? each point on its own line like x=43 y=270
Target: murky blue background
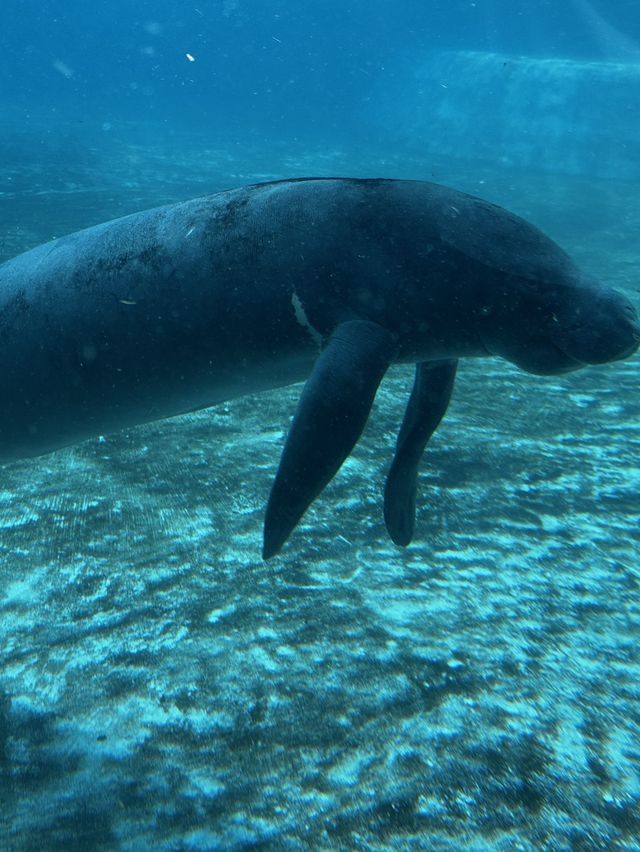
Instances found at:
x=270 y=68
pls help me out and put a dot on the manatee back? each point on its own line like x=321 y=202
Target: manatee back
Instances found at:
x=494 y=237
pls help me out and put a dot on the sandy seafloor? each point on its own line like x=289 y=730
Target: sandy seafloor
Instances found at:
x=161 y=687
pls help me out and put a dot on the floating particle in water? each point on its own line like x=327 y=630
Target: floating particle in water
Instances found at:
x=63 y=68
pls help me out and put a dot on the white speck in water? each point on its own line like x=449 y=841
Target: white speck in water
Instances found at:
x=62 y=68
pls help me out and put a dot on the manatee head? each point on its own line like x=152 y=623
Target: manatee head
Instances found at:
x=548 y=329
x=535 y=307
x=596 y=325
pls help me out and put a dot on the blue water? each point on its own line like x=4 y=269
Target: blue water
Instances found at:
x=160 y=686
x=269 y=68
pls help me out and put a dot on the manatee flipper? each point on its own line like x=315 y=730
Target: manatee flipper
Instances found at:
x=429 y=400
x=330 y=417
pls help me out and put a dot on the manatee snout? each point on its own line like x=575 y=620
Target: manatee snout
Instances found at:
x=600 y=326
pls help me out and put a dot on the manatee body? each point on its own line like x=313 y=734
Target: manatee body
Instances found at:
x=329 y=280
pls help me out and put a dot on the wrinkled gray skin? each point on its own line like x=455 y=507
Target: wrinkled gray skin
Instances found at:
x=183 y=306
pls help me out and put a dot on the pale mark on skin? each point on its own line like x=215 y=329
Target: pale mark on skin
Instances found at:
x=302 y=318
